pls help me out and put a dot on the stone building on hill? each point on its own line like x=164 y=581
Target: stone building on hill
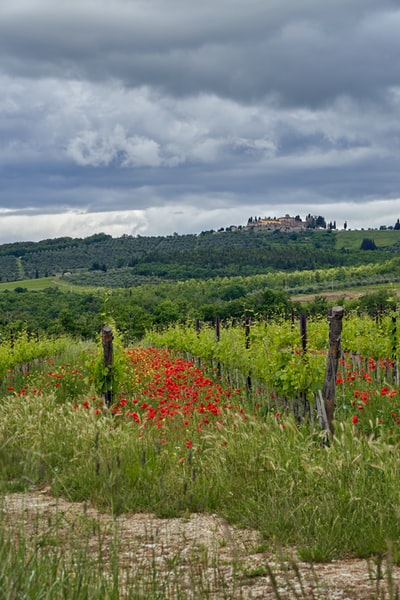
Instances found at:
x=286 y=223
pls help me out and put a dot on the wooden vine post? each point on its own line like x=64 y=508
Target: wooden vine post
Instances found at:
x=107 y=341
x=218 y=328
x=394 y=345
x=247 y=338
x=218 y=337
x=303 y=332
x=334 y=354
x=198 y=327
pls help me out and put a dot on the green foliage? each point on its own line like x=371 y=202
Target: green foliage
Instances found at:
x=368 y=244
x=351 y=240
x=273 y=354
x=318 y=307
x=181 y=257
x=262 y=471
x=51 y=311
x=24 y=348
x=274 y=477
x=164 y=284
x=46 y=570
x=108 y=378
x=376 y=303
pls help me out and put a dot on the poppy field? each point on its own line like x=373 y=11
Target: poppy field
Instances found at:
x=186 y=434
x=281 y=371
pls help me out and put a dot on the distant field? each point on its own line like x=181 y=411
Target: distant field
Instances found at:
x=30 y=284
x=347 y=293
x=351 y=240
x=41 y=284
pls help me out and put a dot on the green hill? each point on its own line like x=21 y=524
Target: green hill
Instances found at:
x=66 y=285
x=130 y=260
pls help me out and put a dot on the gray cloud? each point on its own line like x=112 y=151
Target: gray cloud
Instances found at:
x=305 y=53
x=198 y=110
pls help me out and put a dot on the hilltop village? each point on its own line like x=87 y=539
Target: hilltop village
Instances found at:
x=288 y=223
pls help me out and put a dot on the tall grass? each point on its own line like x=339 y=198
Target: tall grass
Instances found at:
x=80 y=558
x=274 y=476
x=265 y=473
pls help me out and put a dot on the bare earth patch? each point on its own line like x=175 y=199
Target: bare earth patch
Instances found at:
x=333 y=296
x=204 y=554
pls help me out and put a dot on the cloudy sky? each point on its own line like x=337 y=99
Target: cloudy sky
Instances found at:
x=158 y=116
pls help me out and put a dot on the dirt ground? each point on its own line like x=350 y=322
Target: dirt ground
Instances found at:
x=227 y=562
x=330 y=296
x=334 y=295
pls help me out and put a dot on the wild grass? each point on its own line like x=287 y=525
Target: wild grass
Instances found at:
x=329 y=502
x=81 y=558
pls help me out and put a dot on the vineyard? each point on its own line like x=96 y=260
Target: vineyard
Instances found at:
x=206 y=421
x=281 y=367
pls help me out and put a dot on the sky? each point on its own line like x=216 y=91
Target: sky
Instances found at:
x=154 y=117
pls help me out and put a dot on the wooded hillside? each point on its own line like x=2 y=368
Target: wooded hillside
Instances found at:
x=66 y=285
x=207 y=255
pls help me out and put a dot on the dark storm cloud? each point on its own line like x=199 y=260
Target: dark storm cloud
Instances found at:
x=176 y=110
x=306 y=53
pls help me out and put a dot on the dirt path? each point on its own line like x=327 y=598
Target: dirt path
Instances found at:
x=202 y=551
x=332 y=296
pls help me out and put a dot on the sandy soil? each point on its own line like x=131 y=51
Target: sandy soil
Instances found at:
x=202 y=551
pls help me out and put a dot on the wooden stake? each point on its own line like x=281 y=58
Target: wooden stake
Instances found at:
x=334 y=354
x=303 y=332
x=218 y=327
x=107 y=341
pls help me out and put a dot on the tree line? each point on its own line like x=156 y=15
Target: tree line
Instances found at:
x=207 y=255
x=138 y=309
